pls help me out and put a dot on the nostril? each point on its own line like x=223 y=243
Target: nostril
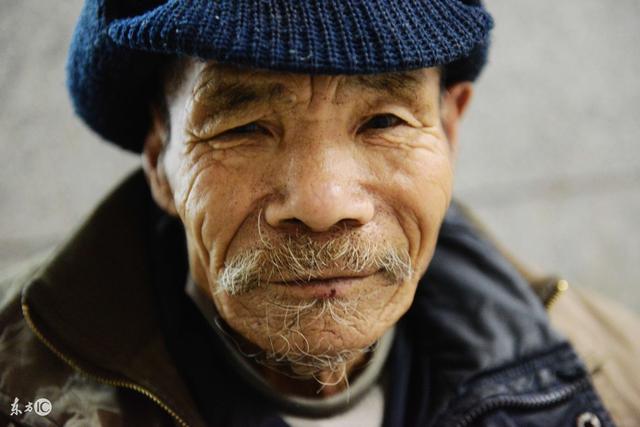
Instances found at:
x=293 y=223
x=347 y=223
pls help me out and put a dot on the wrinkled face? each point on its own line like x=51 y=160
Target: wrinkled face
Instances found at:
x=311 y=204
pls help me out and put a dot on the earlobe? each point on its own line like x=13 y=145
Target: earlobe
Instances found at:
x=455 y=101
x=153 y=151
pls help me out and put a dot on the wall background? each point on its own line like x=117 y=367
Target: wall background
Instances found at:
x=550 y=150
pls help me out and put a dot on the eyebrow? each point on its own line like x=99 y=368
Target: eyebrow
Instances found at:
x=230 y=97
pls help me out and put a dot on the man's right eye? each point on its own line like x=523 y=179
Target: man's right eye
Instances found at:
x=382 y=121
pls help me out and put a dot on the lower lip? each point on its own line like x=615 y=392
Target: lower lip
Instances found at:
x=322 y=289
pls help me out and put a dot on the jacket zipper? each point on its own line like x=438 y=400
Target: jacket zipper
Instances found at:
x=523 y=402
x=559 y=288
x=108 y=381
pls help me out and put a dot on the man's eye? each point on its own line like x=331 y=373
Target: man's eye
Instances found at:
x=249 y=128
x=382 y=121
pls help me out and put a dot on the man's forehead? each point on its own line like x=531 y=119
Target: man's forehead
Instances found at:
x=215 y=72
x=231 y=87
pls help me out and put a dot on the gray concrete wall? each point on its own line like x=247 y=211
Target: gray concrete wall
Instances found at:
x=549 y=156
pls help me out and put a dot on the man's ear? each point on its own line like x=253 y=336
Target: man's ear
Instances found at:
x=455 y=100
x=155 y=144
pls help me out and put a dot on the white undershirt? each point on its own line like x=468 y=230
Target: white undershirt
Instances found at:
x=367 y=412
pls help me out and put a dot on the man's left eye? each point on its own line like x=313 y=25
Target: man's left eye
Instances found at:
x=382 y=121
x=247 y=129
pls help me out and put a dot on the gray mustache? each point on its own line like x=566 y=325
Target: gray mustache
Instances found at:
x=303 y=258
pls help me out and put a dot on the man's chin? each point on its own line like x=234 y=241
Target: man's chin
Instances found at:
x=333 y=329
x=332 y=366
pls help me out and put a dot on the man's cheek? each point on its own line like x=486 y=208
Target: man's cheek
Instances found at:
x=193 y=219
x=202 y=213
x=214 y=211
x=421 y=212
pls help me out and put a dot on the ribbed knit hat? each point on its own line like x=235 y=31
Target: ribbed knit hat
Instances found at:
x=119 y=46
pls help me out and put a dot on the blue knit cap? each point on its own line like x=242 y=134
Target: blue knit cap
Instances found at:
x=119 y=46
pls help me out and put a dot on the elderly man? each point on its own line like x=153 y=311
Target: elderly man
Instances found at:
x=293 y=256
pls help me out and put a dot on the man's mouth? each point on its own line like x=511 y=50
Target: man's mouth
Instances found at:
x=321 y=279
x=323 y=286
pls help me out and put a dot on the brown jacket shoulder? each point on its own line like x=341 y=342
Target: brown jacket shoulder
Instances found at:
x=607 y=337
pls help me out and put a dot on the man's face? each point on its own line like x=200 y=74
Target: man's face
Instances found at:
x=311 y=204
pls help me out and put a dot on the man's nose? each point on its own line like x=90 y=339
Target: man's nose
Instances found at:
x=320 y=192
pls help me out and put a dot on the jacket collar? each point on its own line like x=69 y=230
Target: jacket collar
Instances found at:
x=106 y=264
x=473 y=310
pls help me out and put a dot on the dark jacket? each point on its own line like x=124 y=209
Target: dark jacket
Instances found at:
x=85 y=330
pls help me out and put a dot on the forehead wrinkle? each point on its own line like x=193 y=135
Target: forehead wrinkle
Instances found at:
x=324 y=88
x=403 y=85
